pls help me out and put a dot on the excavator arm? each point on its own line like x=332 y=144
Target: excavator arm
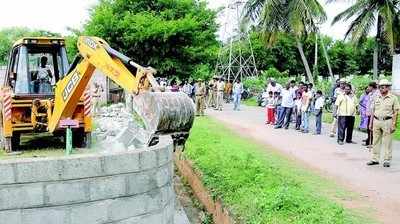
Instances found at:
x=95 y=53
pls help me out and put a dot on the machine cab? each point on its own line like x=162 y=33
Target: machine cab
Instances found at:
x=35 y=66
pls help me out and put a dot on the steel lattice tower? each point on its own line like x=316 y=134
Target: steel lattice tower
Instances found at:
x=232 y=64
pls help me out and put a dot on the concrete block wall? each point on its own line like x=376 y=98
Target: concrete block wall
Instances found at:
x=125 y=187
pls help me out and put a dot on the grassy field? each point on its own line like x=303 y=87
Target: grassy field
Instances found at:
x=260 y=186
x=250 y=102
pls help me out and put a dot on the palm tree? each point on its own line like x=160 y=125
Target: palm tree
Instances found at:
x=370 y=13
x=296 y=17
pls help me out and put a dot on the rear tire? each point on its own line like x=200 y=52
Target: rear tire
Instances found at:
x=11 y=144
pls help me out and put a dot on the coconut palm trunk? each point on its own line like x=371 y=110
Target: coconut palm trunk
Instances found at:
x=305 y=62
x=377 y=48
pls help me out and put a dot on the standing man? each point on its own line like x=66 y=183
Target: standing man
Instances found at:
x=212 y=85
x=374 y=93
x=228 y=91
x=338 y=91
x=346 y=108
x=220 y=93
x=273 y=86
x=385 y=109
x=187 y=88
x=318 y=109
x=96 y=94
x=305 y=109
x=200 y=91
x=237 y=94
x=288 y=95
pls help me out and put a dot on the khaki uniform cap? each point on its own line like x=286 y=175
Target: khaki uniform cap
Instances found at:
x=385 y=82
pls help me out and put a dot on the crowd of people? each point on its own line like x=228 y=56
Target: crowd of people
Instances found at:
x=378 y=109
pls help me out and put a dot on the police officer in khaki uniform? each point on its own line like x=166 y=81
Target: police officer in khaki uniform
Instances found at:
x=200 y=91
x=220 y=94
x=384 y=110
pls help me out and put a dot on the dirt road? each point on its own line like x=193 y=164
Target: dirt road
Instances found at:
x=345 y=164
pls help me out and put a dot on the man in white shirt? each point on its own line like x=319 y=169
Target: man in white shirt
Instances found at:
x=187 y=88
x=237 y=94
x=318 y=108
x=288 y=95
x=273 y=86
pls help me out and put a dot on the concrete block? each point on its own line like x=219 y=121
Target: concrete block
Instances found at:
x=45 y=216
x=165 y=155
x=148 y=159
x=141 y=182
x=21 y=196
x=167 y=194
x=107 y=187
x=66 y=192
x=121 y=163
x=90 y=213
x=76 y=168
x=36 y=171
x=124 y=208
x=154 y=200
x=11 y=216
x=7 y=173
x=164 y=175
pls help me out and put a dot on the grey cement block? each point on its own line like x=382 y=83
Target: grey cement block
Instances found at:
x=121 y=163
x=167 y=194
x=164 y=175
x=148 y=159
x=67 y=192
x=90 y=213
x=141 y=182
x=107 y=187
x=165 y=155
x=6 y=173
x=76 y=168
x=154 y=200
x=11 y=217
x=45 y=216
x=124 y=208
x=36 y=171
x=21 y=196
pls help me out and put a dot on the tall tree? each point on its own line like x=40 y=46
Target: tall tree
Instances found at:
x=174 y=36
x=295 y=17
x=370 y=13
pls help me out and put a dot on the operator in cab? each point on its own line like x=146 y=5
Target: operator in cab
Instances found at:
x=44 y=77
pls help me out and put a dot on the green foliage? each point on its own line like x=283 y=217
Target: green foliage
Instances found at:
x=257 y=84
x=9 y=35
x=202 y=71
x=174 y=36
x=257 y=185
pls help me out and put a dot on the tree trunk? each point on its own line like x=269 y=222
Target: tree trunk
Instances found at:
x=305 y=62
x=377 y=48
x=327 y=61
x=315 y=68
x=375 y=61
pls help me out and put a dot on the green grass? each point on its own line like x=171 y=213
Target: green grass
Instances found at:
x=327 y=118
x=260 y=186
x=250 y=102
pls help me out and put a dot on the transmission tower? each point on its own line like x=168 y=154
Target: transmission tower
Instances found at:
x=232 y=64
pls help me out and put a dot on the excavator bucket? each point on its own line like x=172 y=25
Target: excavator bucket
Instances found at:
x=166 y=113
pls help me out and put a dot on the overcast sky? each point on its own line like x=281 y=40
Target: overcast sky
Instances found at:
x=57 y=15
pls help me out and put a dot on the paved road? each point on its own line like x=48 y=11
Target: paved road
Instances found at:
x=345 y=164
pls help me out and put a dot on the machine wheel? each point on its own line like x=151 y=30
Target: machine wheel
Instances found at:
x=11 y=144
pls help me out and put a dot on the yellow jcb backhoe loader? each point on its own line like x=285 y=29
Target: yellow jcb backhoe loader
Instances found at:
x=41 y=89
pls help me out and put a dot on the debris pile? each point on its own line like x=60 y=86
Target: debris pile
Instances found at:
x=118 y=130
